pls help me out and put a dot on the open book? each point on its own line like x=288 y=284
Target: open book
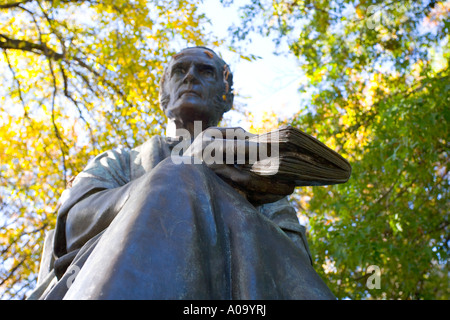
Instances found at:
x=298 y=157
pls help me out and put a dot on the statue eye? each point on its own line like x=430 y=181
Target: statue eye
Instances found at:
x=178 y=71
x=207 y=72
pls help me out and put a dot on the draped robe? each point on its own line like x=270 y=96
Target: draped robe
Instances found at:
x=134 y=225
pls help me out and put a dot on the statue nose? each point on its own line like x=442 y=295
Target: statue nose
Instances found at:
x=191 y=75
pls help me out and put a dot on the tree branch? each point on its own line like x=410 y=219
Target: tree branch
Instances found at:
x=43 y=49
x=18 y=3
x=13 y=5
x=62 y=143
x=8 y=43
x=19 y=89
x=68 y=95
x=13 y=270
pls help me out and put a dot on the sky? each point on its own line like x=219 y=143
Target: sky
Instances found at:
x=268 y=84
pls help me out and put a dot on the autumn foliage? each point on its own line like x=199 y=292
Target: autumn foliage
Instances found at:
x=80 y=77
x=379 y=83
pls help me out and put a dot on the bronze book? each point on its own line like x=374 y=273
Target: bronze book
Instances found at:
x=295 y=156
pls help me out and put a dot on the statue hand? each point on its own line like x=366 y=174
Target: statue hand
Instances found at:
x=219 y=152
x=258 y=189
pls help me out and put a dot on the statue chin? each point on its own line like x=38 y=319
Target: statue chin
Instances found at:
x=189 y=113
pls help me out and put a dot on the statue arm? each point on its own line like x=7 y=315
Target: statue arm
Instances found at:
x=283 y=214
x=90 y=204
x=93 y=214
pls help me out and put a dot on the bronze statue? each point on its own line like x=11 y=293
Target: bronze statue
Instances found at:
x=135 y=225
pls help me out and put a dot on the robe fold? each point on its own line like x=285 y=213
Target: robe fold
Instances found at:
x=134 y=225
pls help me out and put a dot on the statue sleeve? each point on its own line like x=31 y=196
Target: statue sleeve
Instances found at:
x=102 y=185
x=283 y=214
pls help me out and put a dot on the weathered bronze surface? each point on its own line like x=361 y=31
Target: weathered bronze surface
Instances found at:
x=134 y=225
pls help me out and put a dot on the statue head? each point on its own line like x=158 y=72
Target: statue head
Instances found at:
x=196 y=86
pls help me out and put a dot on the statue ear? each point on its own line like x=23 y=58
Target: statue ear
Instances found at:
x=164 y=100
x=164 y=97
x=229 y=102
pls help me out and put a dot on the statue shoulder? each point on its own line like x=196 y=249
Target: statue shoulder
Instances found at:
x=146 y=156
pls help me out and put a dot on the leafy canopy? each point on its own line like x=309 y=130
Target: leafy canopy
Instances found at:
x=378 y=80
x=81 y=76
x=78 y=77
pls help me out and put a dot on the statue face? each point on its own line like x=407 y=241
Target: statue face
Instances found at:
x=195 y=86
